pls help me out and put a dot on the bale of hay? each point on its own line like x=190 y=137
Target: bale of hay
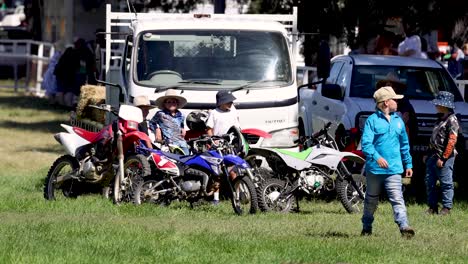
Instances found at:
x=91 y=95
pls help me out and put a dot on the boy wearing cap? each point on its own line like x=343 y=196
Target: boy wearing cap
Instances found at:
x=168 y=123
x=220 y=121
x=224 y=116
x=439 y=164
x=385 y=144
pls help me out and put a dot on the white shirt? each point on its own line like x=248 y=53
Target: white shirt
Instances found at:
x=221 y=121
x=411 y=43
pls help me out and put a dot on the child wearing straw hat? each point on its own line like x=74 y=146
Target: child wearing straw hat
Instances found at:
x=168 y=122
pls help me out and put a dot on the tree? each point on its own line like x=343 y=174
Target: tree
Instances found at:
x=341 y=18
x=167 y=6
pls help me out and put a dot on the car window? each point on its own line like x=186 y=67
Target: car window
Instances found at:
x=334 y=71
x=343 y=77
x=421 y=83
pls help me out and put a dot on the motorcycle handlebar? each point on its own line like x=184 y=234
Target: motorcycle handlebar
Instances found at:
x=322 y=131
x=105 y=107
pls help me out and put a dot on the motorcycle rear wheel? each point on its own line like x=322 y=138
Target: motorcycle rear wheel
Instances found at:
x=136 y=167
x=244 y=198
x=67 y=189
x=270 y=191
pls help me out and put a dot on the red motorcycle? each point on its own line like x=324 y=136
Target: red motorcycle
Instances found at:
x=100 y=159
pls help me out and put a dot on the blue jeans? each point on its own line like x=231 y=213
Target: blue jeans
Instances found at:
x=182 y=145
x=444 y=175
x=393 y=186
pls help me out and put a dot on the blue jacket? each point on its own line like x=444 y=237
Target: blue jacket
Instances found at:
x=387 y=139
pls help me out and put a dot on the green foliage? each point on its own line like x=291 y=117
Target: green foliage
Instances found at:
x=168 y=6
x=340 y=18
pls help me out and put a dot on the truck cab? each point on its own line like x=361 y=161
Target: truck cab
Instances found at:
x=199 y=55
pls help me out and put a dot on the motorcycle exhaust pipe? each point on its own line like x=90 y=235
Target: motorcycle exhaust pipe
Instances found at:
x=204 y=177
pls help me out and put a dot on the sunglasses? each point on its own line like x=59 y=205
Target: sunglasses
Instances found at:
x=171 y=102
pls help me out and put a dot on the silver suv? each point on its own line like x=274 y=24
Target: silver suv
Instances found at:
x=346 y=97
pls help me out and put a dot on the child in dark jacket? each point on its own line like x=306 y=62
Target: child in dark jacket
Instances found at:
x=439 y=163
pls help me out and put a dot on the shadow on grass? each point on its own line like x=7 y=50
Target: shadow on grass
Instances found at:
x=54 y=149
x=43 y=126
x=329 y=234
x=321 y=210
x=12 y=100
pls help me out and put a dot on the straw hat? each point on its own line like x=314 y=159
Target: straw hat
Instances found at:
x=142 y=101
x=171 y=93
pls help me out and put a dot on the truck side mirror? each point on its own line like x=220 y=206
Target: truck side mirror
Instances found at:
x=332 y=91
x=122 y=94
x=323 y=61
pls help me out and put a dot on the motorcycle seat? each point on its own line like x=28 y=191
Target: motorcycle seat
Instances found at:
x=177 y=157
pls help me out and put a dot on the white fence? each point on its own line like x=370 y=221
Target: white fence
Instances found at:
x=33 y=55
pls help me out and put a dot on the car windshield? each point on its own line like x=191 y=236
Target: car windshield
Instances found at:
x=229 y=58
x=421 y=83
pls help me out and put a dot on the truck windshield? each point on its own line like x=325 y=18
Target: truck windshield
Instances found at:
x=230 y=58
x=421 y=83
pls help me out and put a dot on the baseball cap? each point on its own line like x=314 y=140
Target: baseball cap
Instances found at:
x=386 y=93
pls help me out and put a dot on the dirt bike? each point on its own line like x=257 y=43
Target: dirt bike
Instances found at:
x=196 y=177
x=98 y=159
x=310 y=171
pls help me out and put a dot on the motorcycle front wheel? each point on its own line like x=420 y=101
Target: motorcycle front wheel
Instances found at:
x=244 y=198
x=270 y=199
x=63 y=166
x=136 y=167
x=349 y=196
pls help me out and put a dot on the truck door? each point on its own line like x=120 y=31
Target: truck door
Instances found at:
x=326 y=109
x=126 y=64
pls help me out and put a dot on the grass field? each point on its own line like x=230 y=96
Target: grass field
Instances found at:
x=93 y=230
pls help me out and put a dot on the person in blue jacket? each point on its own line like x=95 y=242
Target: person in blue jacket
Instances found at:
x=386 y=147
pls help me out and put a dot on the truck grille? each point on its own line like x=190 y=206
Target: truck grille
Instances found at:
x=426 y=123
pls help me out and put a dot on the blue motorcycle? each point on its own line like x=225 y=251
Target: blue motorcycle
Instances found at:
x=192 y=178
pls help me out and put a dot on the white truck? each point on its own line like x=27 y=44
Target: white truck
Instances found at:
x=201 y=54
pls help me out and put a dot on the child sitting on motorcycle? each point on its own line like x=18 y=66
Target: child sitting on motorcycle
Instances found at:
x=168 y=122
x=220 y=121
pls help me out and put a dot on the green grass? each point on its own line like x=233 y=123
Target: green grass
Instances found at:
x=90 y=229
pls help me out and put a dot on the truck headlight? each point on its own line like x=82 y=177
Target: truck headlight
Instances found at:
x=283 y=138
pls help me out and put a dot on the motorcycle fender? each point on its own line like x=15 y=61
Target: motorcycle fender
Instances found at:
x=291 y=162
x=68 y=128
x=71 y=142
x=353 y=157
x=330 y=157
x=135 y=136
x=256 y=132
x=232 y=160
